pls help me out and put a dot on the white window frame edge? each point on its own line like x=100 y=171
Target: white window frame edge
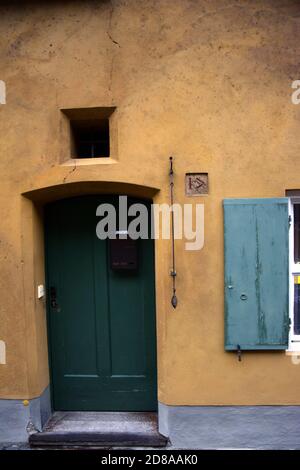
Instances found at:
x=294 y=269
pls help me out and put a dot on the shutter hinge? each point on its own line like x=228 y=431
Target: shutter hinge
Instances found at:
x=290 y=220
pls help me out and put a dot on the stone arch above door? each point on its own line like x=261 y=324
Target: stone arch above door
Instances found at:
x=51 y=193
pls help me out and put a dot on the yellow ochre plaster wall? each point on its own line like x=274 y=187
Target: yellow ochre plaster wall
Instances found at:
x=208 y=82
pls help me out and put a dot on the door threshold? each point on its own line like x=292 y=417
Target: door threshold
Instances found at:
x=100 y=429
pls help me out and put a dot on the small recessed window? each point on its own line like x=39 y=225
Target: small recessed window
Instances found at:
x=91 y=138
x=89 y=132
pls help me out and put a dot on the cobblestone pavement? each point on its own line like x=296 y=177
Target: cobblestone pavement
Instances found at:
x=14 y=446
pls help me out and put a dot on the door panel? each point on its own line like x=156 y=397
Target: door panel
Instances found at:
x=102 y=334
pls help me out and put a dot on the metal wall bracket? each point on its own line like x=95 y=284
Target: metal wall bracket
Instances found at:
x=239 y=353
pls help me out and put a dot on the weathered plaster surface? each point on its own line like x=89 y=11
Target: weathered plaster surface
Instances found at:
x=19 y=417
x=206 y=81
x=231 y=427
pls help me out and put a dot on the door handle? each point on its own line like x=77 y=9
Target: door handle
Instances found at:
x=53 y=299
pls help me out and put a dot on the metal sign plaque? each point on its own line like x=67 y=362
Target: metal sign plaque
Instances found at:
x=196 y=184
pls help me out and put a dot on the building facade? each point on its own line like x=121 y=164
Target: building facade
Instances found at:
x=96 y=96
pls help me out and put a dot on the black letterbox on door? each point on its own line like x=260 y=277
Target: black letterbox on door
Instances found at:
x=123 y=254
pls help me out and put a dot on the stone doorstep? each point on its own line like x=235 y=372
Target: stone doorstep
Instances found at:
x=106 y=429
x=93 y=440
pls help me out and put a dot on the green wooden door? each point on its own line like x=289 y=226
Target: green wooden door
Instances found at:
x=102 y=334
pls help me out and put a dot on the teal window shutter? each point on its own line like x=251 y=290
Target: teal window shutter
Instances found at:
x=256 y=273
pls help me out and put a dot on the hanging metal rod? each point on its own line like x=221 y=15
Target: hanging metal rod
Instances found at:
x=174 y=300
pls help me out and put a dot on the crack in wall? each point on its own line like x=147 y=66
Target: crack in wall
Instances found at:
x=71 y=171
x=115 y=43
x=108 y=32
x=112 y=40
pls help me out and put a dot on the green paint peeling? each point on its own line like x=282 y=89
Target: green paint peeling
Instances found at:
x=261 y=324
